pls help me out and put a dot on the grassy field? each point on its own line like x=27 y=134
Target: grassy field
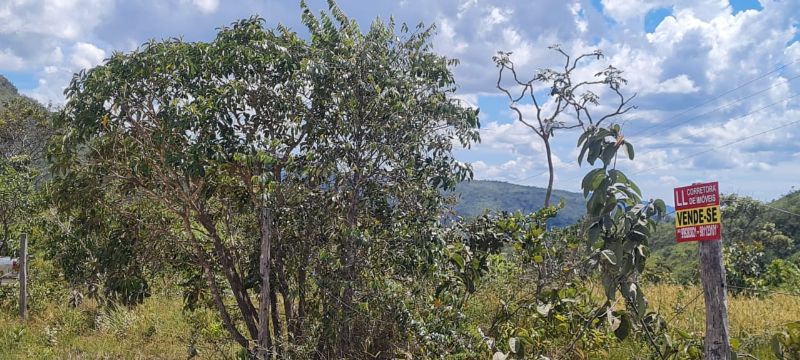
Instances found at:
x=752 y=319
x=160 y=329
x=157 y=329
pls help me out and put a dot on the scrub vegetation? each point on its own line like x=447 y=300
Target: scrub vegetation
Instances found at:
x=276 y=196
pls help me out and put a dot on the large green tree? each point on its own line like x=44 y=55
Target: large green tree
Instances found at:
x=299 y=168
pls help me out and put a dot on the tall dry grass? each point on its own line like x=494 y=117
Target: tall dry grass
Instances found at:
x=748 y=315
x=156 y=329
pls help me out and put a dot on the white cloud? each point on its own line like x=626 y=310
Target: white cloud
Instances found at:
x=465 y=6
x=668 y=180
x=86 y=55
x=10 y=61
x=66 y=19
x=448 y=41
x=580 y=19
x=206 y=6
x=495 y=16
x=699 y=53
x=679 y=84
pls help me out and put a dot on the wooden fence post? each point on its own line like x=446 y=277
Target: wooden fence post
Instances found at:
x=712 y=272
x=23 y=276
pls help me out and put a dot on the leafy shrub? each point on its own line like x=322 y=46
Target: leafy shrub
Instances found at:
x=782 y=274
x=786 y=343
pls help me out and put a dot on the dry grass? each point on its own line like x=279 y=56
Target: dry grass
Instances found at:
x=752 y=320
x=157 y=329
x=748 y=316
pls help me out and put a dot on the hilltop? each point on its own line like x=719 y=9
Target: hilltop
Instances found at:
x=478 y=195
x=7 y=89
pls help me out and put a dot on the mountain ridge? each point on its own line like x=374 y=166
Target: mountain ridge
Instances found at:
x=475 y=197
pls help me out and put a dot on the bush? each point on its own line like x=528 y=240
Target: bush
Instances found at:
x=781 y=274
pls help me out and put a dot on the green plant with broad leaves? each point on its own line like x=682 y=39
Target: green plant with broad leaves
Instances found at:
x=786 y=343
x=618 y=227
x=546 y=308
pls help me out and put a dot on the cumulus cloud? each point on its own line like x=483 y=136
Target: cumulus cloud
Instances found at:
x=10 y=61
x=206 y=6
x=701 y=57
x=678 y=84
x=66 y=19
x=86 y=55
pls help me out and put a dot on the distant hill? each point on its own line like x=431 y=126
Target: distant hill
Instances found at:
x=786 y=219
x=478 y=195
x=24 y=129
x=7 y=89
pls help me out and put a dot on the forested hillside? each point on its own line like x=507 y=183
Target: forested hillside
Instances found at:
x=7 y=89
x=762 y=248
x=785 y=212
x=477 y=196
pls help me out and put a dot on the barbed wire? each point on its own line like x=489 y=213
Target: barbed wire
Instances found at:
x=769 y=291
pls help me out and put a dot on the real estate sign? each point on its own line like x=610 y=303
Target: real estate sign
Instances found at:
x=697 y=213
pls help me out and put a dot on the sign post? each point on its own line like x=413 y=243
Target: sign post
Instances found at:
x=698 y=218
x=23 y=276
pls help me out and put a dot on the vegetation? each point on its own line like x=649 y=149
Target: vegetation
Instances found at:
x=758 y=256
x=572 y=99
x=474 y=197
x=265 y=195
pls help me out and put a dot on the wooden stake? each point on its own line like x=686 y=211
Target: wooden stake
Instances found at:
x=712 y=272
x=23 y=277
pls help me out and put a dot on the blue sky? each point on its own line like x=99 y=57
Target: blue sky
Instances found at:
x=716 y=79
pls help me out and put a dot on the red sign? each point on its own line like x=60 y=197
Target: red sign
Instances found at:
x=697 y=213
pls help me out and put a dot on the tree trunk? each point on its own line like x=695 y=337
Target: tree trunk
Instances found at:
x=549 y=152
x=234 y=280
x=276 y=320
x=23 y=277
x=348 y=258
x=288 y=307
x=216 y=294
x=264 y=339
x=4 y=251
x=218 y=302
x=301 y=301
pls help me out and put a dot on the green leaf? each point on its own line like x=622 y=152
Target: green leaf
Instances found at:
x=544 y=309
x=515 y=345
x=583 y=152
x=613 y=321
x=608 y=256
x=735 y=344
x=624 y=328
x=777 y=347
x=608 y=155
x=629 y=150
x=589 y=180
x=499 y=356
x=594 y=152
x=661 y=208
x=641 y=302
x=458 y=260
x=610 y=286
x=583 y=138
x=594 y=232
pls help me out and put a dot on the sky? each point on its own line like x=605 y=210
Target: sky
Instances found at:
x=717 y=81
